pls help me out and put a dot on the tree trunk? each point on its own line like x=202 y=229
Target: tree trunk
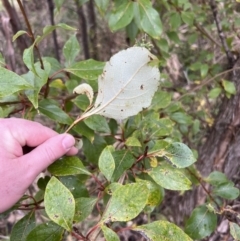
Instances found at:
x=16 y=24
x=220 y=152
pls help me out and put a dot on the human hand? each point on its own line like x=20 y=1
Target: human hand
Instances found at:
x=18 y=171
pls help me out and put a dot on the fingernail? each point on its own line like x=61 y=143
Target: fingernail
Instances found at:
x=68 y=142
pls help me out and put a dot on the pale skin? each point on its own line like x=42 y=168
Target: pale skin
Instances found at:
x=18 y=171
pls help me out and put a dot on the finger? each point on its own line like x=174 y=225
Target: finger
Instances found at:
x=46 y=153
x=27 y=132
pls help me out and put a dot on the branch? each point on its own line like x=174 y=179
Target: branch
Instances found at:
x=30 y=31
x=206 y=34
x=221 y=34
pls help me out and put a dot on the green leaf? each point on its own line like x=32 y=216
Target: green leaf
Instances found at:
x=97 y=123
x=156 y=193
x=42 y=182
x=158 y=148
x=123 y=161
x=109 y=234
x=181 y=118
x=163 y=45
x=82 y=129
x=37 y=81
x=179 y=155
x=161 y=100
x=159 y=128
x=46 y=232
x=214 y=93
x=173 y=36
x=48 y=29
x=162 y=230
x=102 y=5
x=148 y=19
x=204 y=70
x=59 y=204
x=201 y=223
x=122 y=16
x=187 y=17
x=132 y=141
x=235 y=231
x=23 y=227
x=132 y=31
x=216 y=178
x=229 y=87
x=58 y=4
x=126 y=203
x=226 y=190
x=81 y=101
x=18 y=34
x=28 y=58
x=76 y=185
x=170 y=178
x=175 y=20
x=11 y=83
x=98 y=144
x=89 y=69
x=51 y=110
x=84 y=207
x=71 y=50
x=68 y=165
x=106 y=162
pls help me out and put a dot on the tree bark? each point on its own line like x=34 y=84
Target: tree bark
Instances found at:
x=84 y=32
x=92 y=30
x=16 y=24
x=54 y=33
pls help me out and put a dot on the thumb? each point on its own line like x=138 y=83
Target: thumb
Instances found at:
x=48 y=152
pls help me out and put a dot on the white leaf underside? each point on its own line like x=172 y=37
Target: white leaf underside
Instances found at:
x=127 y=84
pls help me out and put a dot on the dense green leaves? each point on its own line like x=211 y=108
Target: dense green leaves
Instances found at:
x=126 y=162
x=170 y=178
x=11 y=83
x=201 y=223
x=126 y=203
x=59 y=204
x=162 y=230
